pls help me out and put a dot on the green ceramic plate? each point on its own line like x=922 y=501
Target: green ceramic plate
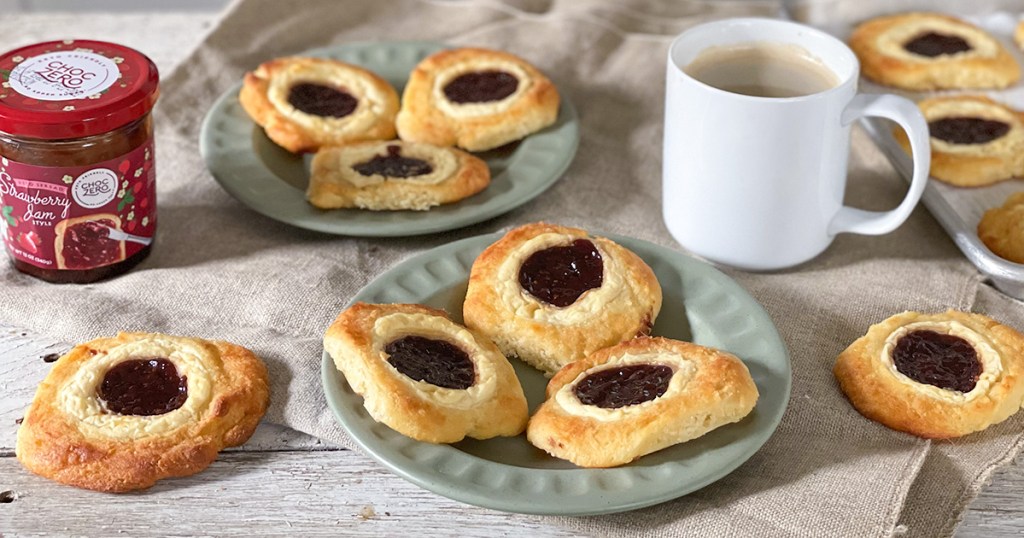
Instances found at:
x=273 y=181
x=701 y=305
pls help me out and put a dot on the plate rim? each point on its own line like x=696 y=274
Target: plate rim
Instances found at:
x=427 y=480
x=405 y=229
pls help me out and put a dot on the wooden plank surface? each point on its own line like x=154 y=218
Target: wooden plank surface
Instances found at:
x=285 y=482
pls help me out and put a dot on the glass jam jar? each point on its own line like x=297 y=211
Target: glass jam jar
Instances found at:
x=77 y=182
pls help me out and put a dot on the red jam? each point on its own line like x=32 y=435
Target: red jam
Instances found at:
x=87 y=244
x=77 y=180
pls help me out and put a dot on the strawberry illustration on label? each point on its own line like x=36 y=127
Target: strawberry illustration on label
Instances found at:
x=30 y=241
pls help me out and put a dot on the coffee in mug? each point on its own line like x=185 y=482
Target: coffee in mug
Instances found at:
x=763 y=70
x=757 y=181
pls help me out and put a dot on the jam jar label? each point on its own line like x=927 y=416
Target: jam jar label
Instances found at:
x=64 y=75
x=80 y=217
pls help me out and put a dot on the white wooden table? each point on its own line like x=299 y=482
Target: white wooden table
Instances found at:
x=281 y=482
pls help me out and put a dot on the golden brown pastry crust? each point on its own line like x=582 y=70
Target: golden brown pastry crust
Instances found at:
x=66 y=436
x=709 y=388
x=62 y=226
x=493 y=406
x=428 y=116
x=1018 y=35
x=879 y=392
x=264 y=98
x=878 y=44
x=548 y=337
x=1002 y=229
x=973 y=165
x=333 y=183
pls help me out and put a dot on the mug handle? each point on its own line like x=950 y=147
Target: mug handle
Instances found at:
x=908 y=116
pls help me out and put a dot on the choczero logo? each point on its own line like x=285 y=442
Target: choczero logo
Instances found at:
x=68 y=76
x=64 y=75
x=95 y=188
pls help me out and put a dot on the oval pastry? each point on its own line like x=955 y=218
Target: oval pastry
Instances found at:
x=1002 y=229
x=935 y=375
x=394 y=175
x=975 y=140
x=929 y=51
x=639 y=397
x=424 y=375
x=476 y=99
x=304 y=104
x=118 y=414
x=552 y=295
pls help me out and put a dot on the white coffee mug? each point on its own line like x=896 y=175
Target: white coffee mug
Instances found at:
x=757 y=182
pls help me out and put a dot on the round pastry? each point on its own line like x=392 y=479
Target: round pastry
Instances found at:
x=307 y=103
x=1018 y=35
x=929 y=51
x=425 y=376
x=477 y=99
x=639 y=397
x=975 y=140
x=935 y=375
x=552 y=295
x=1002 y=229
x=118 y=414
x=394 y=175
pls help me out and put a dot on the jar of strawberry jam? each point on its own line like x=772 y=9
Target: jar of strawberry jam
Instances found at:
x=77 y=183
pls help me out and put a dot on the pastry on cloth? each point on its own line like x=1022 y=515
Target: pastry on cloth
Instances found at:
x=84 y=242
x=424 y=375
x=304 y=104
x=930 y=51
x=975 y=141
x=639 y=397
x=118 y=414
x=394 y=175
x=551 y=295
x=935 y=375
x=476 y=99
x=1002 y=229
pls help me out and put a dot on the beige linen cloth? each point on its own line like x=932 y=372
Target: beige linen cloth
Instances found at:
x=220 y=270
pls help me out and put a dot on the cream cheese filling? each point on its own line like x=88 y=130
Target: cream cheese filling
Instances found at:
x=78 y=396
x=974 y=109
x=891 y=42
x=371 y=101
x=589 y=305
x=442 y=160
x=991 y=364
x=470 y=110
x=683 y=371
x=393 y=326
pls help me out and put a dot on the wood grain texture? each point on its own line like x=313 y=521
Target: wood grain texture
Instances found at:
x=286 y=482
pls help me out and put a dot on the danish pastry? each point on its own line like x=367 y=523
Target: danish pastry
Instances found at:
x=975 y=140
x=424 y=375
x=477 y=99
x=929 y=51
x=552 y=295
x=639 y=397
x=935 y=375
x=307 y=103
x=84 y=242
x=394 y=175
x=1002 y=229
x=118 y=414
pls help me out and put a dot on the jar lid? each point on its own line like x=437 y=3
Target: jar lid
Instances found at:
x=74 y=88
